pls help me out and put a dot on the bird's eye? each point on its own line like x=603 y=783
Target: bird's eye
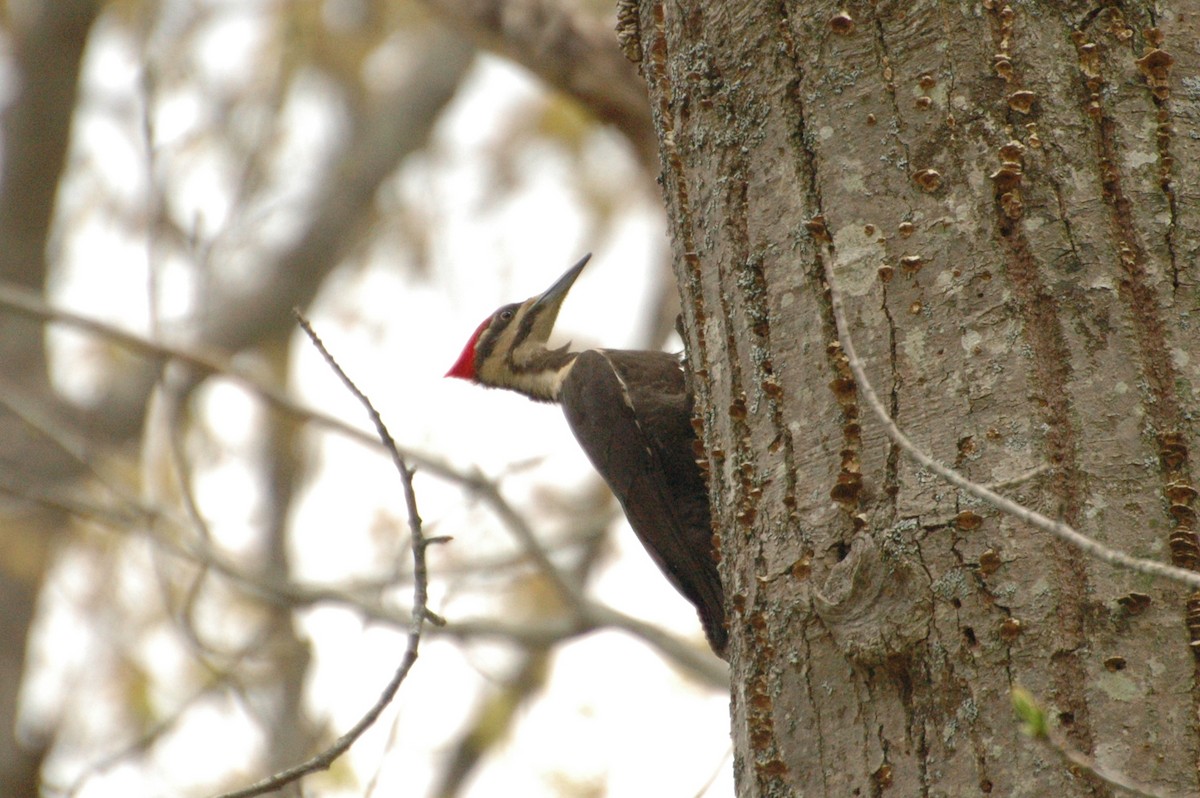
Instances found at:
x=506 y=315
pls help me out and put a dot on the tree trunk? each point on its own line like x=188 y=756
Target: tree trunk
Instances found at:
x=1001 y=192
x=47 y=43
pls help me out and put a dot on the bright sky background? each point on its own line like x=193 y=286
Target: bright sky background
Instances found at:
x=614 y=716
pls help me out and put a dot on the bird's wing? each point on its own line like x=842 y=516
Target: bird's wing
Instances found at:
x=631 y=413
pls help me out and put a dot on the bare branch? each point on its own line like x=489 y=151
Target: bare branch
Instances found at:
x=569 y=593
x=589 y=616
x=420 y=611
x=697 y=661
x=1036 y=726
x=1057 y=528
x=145 y=741
x=569 y=51
x=398 y=124
x=29 y=303
x=1057 y=743
x=1019 y=479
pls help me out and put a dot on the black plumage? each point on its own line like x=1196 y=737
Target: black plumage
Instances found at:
x=631 y=413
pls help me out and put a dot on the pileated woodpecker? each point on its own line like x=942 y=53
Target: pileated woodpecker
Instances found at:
x=632 y=414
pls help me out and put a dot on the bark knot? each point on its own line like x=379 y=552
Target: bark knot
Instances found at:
x=875 y=604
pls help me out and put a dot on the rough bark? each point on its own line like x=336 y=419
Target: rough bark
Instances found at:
x=1006 y=196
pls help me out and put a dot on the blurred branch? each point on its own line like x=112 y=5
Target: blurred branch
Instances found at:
x=576 y=54
x=44 y=41
x=588 y=616
x=500 y=709
x=397 y=124
x=235 y=316
x=65 y=442
x=698 y=661
x=22 y=301
x=567 y=590
x=147 y=739
x=492 y=721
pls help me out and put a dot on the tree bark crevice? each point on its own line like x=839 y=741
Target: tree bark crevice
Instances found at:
x=943 y=166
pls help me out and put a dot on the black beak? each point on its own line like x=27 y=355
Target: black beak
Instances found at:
x=553 y=296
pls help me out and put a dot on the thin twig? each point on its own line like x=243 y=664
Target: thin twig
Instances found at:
x=27 y=303
x=1012 y=482
x=701 y=664
x=165 y=401
x=145 y=741
x=590 y=616
x=1057 y=743
x=1035 y=724
x=520 y=529
x=33 y=415
x=1057 y=528
x=420 y=611
x=716 y=773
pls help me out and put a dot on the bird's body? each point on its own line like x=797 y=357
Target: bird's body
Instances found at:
x=631 y=412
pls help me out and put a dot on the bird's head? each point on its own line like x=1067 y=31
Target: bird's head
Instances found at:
x=508 y=350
